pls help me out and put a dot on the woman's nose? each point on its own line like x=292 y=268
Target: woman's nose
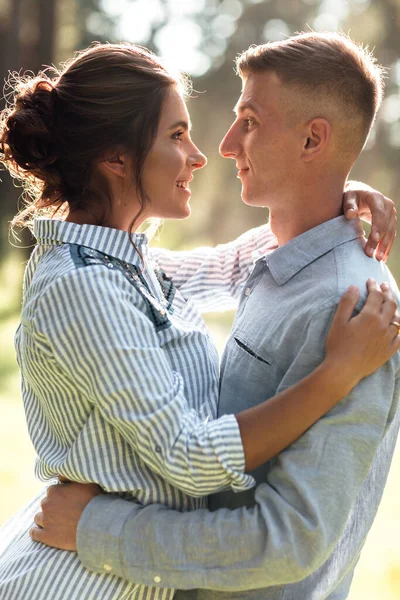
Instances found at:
x=198 y=160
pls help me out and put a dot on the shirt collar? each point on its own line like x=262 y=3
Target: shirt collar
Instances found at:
x=113 y=242
x=288 y=260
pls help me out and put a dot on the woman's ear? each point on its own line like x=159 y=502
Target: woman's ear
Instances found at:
x=114 y=164
x=316 y=138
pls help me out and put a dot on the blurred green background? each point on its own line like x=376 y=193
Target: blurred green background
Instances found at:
x=201 y=37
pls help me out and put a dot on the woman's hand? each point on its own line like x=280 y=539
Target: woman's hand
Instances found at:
x=57 y=523
x=359 y=345
x=373 y=207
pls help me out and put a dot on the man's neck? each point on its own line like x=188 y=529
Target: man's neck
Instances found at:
x=292 y=217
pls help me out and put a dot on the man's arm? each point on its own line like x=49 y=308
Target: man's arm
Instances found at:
x=296 y=522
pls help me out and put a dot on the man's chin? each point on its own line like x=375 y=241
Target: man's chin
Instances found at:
x=253 y=199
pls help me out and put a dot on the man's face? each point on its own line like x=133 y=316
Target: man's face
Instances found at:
x=264 y=141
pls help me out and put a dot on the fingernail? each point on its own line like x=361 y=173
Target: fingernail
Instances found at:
x=381 y=255
x=376 y=236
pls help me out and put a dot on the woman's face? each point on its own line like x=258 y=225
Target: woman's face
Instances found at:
x=169 y=166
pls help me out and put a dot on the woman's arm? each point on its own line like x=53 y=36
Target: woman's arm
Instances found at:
x=373 y=207
x=214 y=277
x=355 y=349
x=123 y=371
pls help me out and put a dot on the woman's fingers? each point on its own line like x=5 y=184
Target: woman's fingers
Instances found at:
x=347 y=305
x=350 y=206
x=375 y=299
x=389 y=306
x=396 y=343
x=386 y=241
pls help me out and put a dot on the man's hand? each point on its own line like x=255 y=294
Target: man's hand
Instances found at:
x=373 y=207
x=62 y=508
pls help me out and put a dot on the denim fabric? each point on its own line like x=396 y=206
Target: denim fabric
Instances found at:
x=308 y=518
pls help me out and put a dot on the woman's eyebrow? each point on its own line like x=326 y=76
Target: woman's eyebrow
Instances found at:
x=187 y=126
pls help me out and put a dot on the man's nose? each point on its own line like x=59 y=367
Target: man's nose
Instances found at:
x=228 y=146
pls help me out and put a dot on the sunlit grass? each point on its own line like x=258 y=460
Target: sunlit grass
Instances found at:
x=378 y=573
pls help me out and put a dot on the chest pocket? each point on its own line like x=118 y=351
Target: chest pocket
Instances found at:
x=157 y=312
x=251 y=349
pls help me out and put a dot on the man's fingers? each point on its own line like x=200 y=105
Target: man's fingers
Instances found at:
x=63 y=479
x=37 y=534
x=38 y=519
x=51 y=490
x=347 y=305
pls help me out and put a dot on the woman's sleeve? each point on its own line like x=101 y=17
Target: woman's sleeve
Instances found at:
x=98 y=337
x=214 y=277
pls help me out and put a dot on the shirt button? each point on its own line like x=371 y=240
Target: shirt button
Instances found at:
x=107 y=567
x=247 y=291
x=158 y=449
x=157 y=579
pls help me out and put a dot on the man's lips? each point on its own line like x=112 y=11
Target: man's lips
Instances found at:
x=242 y=172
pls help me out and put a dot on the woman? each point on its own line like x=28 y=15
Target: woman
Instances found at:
x=119 y=375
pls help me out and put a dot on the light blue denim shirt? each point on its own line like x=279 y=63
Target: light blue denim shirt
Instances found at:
x=315 y=503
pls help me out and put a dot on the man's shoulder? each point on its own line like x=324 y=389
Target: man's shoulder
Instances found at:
x=354 y=267
x=333 y=273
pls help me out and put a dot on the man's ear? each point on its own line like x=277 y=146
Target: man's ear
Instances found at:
x=317 y=135
x=114 y=164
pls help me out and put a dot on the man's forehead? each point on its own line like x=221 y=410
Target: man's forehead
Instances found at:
x=258 y=90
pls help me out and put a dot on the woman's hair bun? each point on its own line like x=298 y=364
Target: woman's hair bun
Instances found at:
x=27 y=132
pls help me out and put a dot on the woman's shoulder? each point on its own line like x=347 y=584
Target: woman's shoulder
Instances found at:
x=76 y=283
x=72 y=273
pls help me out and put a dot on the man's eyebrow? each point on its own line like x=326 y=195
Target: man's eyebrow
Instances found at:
x=242 y=106
x=187 y=126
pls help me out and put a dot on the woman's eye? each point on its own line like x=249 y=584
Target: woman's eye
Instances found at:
x=177 y=135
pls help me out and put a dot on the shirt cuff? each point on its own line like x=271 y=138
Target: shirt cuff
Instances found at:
x=99 y=533
x=225 y=435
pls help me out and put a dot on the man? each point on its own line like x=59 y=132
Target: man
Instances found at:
x=305 y=112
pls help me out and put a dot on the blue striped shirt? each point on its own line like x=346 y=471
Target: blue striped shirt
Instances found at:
x=120 y=386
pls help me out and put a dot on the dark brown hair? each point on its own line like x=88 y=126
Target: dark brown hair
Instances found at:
x=107 y=98
x=326 y=67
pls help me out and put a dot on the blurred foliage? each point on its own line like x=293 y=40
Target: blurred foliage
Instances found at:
x=202 y=37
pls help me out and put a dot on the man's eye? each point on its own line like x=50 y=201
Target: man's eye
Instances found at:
x=249 y=121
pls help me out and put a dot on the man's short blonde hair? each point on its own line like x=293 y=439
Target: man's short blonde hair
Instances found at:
x=329 y=71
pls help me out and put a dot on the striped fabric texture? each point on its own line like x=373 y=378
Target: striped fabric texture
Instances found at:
x=120 y=387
